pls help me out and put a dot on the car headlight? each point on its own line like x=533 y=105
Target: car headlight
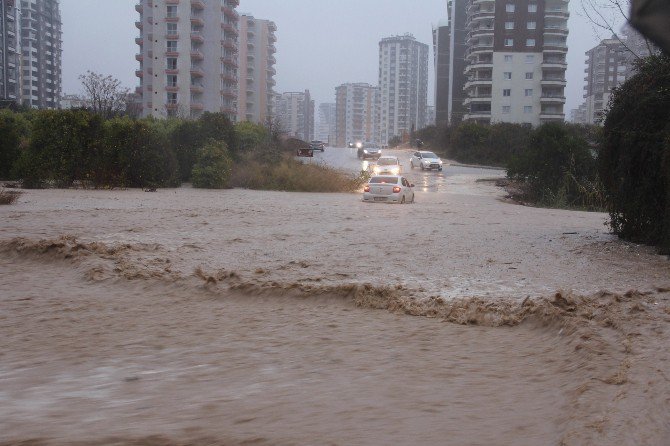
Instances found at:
x=359 y=145
x=365 y=151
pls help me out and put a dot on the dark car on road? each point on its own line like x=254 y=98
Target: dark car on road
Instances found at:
x=368 y=150
x=317 y=145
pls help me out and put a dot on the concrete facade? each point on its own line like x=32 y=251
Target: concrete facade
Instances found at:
x=357 y=114
x=10 y=56
x=41 y=54
x=188 y=57
x=327 y=123
x=295 y=113
x=516 y=61
x=403 y=84
x=256 y=69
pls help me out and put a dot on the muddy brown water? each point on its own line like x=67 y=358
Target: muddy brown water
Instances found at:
x=241 y=317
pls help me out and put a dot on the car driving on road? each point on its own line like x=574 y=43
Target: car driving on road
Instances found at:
x=387 y=165
x=425 y=160
x=368 y=150
x=389 y=189
x=317 y=145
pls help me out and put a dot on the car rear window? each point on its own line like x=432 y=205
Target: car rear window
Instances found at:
x=387 y=180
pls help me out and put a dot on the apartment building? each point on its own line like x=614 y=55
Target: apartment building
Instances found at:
x=449 y=45
x=41 y=54
x=188 y=55
x=295 y=113
x=256 y=69
x=9 y=53
x=515 y=60
x=327 y=123
x=403 y=83
x=608 y=64
x=357 y=114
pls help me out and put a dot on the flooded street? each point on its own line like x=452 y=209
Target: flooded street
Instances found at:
x=244 y=317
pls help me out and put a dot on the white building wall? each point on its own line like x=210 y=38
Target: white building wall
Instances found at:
x=518 y=84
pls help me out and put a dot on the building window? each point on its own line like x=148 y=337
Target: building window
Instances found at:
x=508 y=58
x=530 y=58
x=171 y=80
x=172 y=11
x=531 y=25
x=509 y=7
x=171 y=63
x=528 y=109
x=507 y=92
x=532 y=7
x=506 y=109
x=530 y=42
x=529 y=75
x=171 y=29
x=509 y=25
x=172 y=98
x=172 y=46
x=509 y=42
x=528 y=92
x=507 y=75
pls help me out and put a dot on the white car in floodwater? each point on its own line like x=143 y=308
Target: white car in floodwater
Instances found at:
x=389 y=189
x=387 y=165
x=425 y=160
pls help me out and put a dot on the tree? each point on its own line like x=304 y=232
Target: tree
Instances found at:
x=13 y=132
x=635 y=155
x=104 y=94
x=213 y=166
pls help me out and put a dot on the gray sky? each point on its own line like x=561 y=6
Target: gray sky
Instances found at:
x=321 y=43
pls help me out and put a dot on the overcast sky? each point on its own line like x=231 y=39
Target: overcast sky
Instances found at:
x=321 y=43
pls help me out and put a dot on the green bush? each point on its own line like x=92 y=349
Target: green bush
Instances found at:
x=13 y=133
x=635 y=155
x=213 y=166
x=558 y=168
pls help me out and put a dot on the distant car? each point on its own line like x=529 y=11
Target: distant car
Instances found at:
x=387 y=165
x=425 y=160
x=317 y=145
x=389 y=189
x=367 y=150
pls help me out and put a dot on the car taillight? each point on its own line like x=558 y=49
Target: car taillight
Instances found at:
x=366 y=189
x=396 y=190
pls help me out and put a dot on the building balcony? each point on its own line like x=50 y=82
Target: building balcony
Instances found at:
x=555 y=31
x=172 y=19
x=482 y=14
x=139 y=25
x=272 y=60
x=552 y=116
x=271 y=71
x=197 y=21
x=554 y=63
x=139 y=8
x=172 y=88
x=197 y=55
x=271 y=82
x=139 y=73
x=272 y=49
x=197 y=5
x=482 y=81
x=229 y=94
x=552 y=99
x=554 y=47
x=229 y=61
x=197 y=37
x=229 y=78
x=482 y=98
x=556 y=13
x=478 y=65
x=555 y=81
x=173 y=36
x=484 y=116
x=231 y=44
x=139 y=57
x=197 y=72
x=480 y=32
x=197 y=106
x=230 y=13
x=139 y=90
x=171 y=2
x=172 y=53
x=197 y=89
x=272 y=38
x=228 y=110
x=229 y=29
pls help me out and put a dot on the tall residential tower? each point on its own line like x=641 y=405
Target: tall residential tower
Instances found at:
x=256 y=68
x=403 y=84
x=9 y=53
x=41 y=51
x=357 y=114
x=515 y=60
x=188 y=57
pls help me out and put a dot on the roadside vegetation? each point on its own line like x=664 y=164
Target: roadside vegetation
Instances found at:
x=9 y=196
x=82 y=148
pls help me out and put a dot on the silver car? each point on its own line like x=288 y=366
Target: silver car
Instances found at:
x=389 y=189
x=425 y=160
x=387 y=165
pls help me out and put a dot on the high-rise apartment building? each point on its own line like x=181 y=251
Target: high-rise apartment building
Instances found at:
x=41 y=52
x=449 y=45
x=295 y=113
x=515 y=60
x=256 y=69
x=9 y=53
x=357 y=114
x=403 y=83
x=608 y=64
x=327 y=122
x=188 y=57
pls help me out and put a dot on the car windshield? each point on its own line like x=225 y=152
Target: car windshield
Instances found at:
x=371 y=146
x=428 y=155
x=385 y=180
x=387 y=161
